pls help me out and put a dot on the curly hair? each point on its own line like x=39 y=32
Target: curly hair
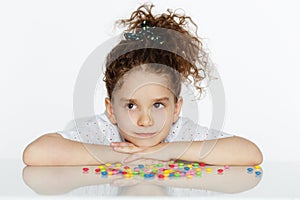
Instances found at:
x=187 y=56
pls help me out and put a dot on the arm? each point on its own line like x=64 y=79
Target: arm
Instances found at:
x=53 y=149
x=226 y=151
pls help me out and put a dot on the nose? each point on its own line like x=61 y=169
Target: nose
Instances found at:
x=145 y=119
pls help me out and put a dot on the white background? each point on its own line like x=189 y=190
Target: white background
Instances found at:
x=255 y=45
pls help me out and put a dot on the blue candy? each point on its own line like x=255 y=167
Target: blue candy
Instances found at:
x=250 y=169
x=258 y=173
x=141 y=166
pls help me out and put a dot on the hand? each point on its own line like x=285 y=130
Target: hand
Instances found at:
x=126 y=147
x=154 y=154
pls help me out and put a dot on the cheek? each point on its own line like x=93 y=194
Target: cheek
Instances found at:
x=123 y=119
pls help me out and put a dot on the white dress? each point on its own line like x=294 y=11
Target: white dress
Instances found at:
x=99 y=130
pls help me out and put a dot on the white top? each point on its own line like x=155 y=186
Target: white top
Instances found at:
x=99 y=130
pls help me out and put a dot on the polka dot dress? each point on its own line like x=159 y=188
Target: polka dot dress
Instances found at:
x=99 y=130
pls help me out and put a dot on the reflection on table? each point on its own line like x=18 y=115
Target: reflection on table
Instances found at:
x=72 y=180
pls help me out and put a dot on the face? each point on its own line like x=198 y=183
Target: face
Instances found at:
x=143 y=108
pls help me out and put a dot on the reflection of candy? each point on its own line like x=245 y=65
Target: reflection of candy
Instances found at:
x=189 y=176
x=226 y=167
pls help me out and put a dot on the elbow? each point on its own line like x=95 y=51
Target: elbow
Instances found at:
x=38 y=152
x=31 y=154
x=258 y=156
x=28 y=155
x=249 y=152
x=255 y=155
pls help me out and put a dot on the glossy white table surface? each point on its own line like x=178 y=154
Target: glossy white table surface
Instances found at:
x=278 y=180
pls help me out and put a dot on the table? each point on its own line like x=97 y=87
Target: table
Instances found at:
x=278 y=180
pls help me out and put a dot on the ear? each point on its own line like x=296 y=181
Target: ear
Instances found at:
x=177 y=110
x=109 y=111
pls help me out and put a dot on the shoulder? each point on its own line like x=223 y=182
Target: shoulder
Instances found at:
x=95 y=129
x=186 y=129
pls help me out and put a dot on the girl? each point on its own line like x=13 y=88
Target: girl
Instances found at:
x=142 y=122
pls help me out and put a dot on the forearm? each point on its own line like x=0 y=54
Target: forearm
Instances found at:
x=53 y=149
x=226 y=151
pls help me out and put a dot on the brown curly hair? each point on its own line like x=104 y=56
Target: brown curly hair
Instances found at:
x=186 y=56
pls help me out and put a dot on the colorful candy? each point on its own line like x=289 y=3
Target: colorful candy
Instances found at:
x=258 y=173
x=85 y=169
x=202 y=165
x=161 y=171
x=250 y=170
x=208 y=170
x=97 y=170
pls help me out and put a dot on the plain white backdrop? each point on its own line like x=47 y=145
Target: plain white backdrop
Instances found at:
x=255 y=45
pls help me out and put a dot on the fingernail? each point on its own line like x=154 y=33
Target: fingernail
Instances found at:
x=116 y=148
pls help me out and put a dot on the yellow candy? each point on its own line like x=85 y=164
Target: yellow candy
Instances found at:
x=208 y=170
x=127 y=175
x=118 y=164
x=110 y=173
x=108 y=164
x=101 y=167
x=257 y=167
x=166 y=171
x=189 y=176
x=189 y=165
x=198 y=169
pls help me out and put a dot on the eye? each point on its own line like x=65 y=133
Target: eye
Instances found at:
x=158 y=105
x=131 y=106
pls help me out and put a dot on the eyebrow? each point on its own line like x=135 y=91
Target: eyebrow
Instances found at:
x=155 y=100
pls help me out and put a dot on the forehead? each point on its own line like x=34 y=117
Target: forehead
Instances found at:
x=137 y=79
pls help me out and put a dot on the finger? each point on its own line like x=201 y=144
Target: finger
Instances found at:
x=127 y=149
x=125 y=182
x=132 y=158
x=121 y=144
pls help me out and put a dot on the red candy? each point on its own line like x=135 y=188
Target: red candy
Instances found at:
x=161 y=176
x=220 y=171
x=97 y=170
x=202 y=164
x=85 y=169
